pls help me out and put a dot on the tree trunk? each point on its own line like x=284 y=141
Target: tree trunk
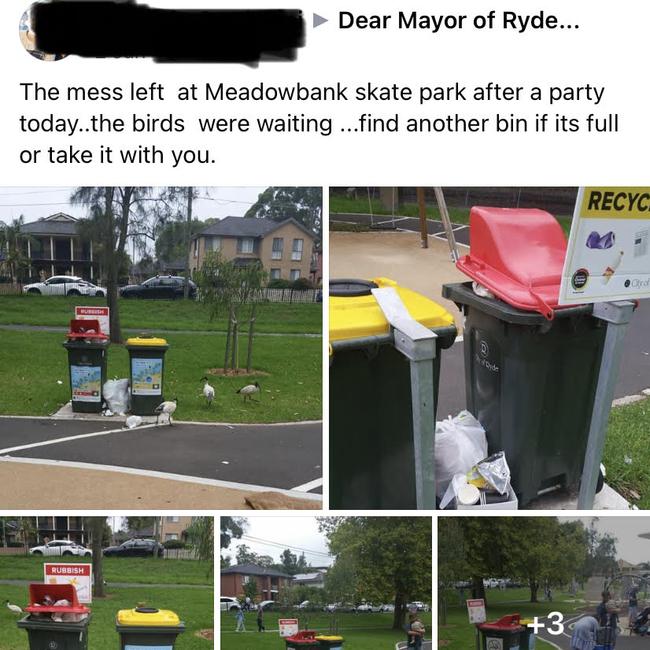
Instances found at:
x=251 y=328
x=399 y=615
x=534 y=586
x=442 y=609
x=188 y=240
x=226 y=360
x=478 y=588
x=235 y=344
x=97 y=531
x=112 y=268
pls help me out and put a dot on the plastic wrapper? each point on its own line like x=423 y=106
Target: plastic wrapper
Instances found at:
x=116 y=395
x=491 y=473
x=460 y=444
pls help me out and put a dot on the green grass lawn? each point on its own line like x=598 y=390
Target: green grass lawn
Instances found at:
x=628 y=435
x=32 y=363
x=194 y=606
x=360 y=631
x=458 y=634
x=55 y=311
x=122 y=569
x=360 y=205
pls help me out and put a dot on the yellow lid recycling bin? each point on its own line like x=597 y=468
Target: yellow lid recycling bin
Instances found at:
x=333 y=642
x=385 y=343
x=146 y=371
x=146 y=628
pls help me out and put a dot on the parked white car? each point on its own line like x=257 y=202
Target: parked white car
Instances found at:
x=229 y=604
x=65 y=285
x=388 y=607
x=368 y=607
x=61 y=547
x=419 y=605
x=331 y=608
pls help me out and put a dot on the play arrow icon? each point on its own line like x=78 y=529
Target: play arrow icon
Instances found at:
x=319 y=20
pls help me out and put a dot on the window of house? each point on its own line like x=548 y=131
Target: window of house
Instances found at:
x=169 y=536
x=275 y=274
x=296 y=251
x=278 y=246
x=173 y=520
x=214 y=243
x=245 y=245
x=196 y=247
x=245 y=580
x=295 y=274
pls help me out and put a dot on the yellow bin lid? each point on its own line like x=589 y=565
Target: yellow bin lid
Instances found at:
x=143 y=616
x=357 y=316
x=323 y=637
x=146 y=340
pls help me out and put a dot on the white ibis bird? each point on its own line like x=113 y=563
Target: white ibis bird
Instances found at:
x=166 y=408
x=249 y=390
x=208 y=391
x=13 y=608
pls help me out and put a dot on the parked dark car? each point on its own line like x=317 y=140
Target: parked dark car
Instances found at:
x=135 y=548
x=163 y=287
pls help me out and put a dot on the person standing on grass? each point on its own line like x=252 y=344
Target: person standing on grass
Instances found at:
x=415 y=632
x=633 y=605
x=584 y=634
x=240 y=621
x=260 y=619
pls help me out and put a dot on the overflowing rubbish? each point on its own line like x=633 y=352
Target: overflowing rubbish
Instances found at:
x=133 y=421
x=116 y=395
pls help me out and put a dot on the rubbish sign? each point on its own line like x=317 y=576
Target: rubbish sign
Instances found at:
x=288 y=626
x=102 y=314
x=476 y=611
x=78 y=575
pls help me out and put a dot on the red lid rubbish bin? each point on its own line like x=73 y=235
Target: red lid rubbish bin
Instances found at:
x=518 y=254
x=303 y=639
x=504 y=634
x=43 y=599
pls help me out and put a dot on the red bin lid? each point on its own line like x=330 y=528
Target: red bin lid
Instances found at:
x=518 y=254
x=509 y=623
x=85 y=329
x=38 y=593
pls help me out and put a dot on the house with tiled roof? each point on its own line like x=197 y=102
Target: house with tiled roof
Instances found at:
x=270 y=582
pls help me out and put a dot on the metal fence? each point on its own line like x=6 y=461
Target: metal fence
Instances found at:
x=180 y=554
x=291 y=295
x=9 y=289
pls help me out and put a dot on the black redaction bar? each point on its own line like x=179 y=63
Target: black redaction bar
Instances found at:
x=125 y=29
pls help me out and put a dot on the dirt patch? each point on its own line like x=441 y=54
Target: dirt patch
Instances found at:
x=240 y=372
x=442 y=643
x=208 y=635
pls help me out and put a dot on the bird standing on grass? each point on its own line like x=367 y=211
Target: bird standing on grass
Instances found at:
x=166 y=408
x=13 y=608
x=249 y=390
x=208 y=391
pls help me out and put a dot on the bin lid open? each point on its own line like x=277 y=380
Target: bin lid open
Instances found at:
x=508 y=623
x=354 y=312
x=143 y=616
x=40 y=593
x=145 y=341
x=518 y=254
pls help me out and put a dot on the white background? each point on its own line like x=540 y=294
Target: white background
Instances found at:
x=609 y=48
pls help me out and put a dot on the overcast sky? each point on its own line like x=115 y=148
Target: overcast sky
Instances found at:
x=36 y=202
x=626 y=529
x=277 y=533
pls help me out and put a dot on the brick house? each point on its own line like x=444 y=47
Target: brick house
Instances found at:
x=53 y=246
x=270 y=582
x=284 y=248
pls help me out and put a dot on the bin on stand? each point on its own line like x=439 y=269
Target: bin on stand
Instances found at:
x=531 y=366
x=148 y=627
x=301 y=640
x=504 y=634
x=68 y=630
x=87 y=350
x=333 y=642
x=384 y=375
x=146 y=372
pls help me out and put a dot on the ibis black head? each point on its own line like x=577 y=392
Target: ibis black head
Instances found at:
x=175 y=400
x=204 y=379
x=257 y=385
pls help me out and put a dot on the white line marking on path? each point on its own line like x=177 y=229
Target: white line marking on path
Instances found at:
x=163 y=475
x=81 y=436
x=203 y=424
x=307 y=487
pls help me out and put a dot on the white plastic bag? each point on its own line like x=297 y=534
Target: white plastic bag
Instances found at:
x=460 y=444
x=116 y=394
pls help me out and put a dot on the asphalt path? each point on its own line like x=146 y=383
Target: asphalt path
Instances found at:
x=278 y=456
x=426 y=645
x=623 y=640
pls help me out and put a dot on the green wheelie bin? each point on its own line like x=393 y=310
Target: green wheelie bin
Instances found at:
x=147 y=370
x=145 y=628
x=527 y=635
x=55 y=627
x=87 y=350
x=373 y=461
x=504 y=634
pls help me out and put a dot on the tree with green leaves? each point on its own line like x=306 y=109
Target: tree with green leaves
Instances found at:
x=231 y=528
x=234 y=290
x=304 y=204
x=452 y=560
x=250 y=588
x=111 y=211
x=245 y=555
x=391 y=557
x=200 y=535
x=12 y=253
